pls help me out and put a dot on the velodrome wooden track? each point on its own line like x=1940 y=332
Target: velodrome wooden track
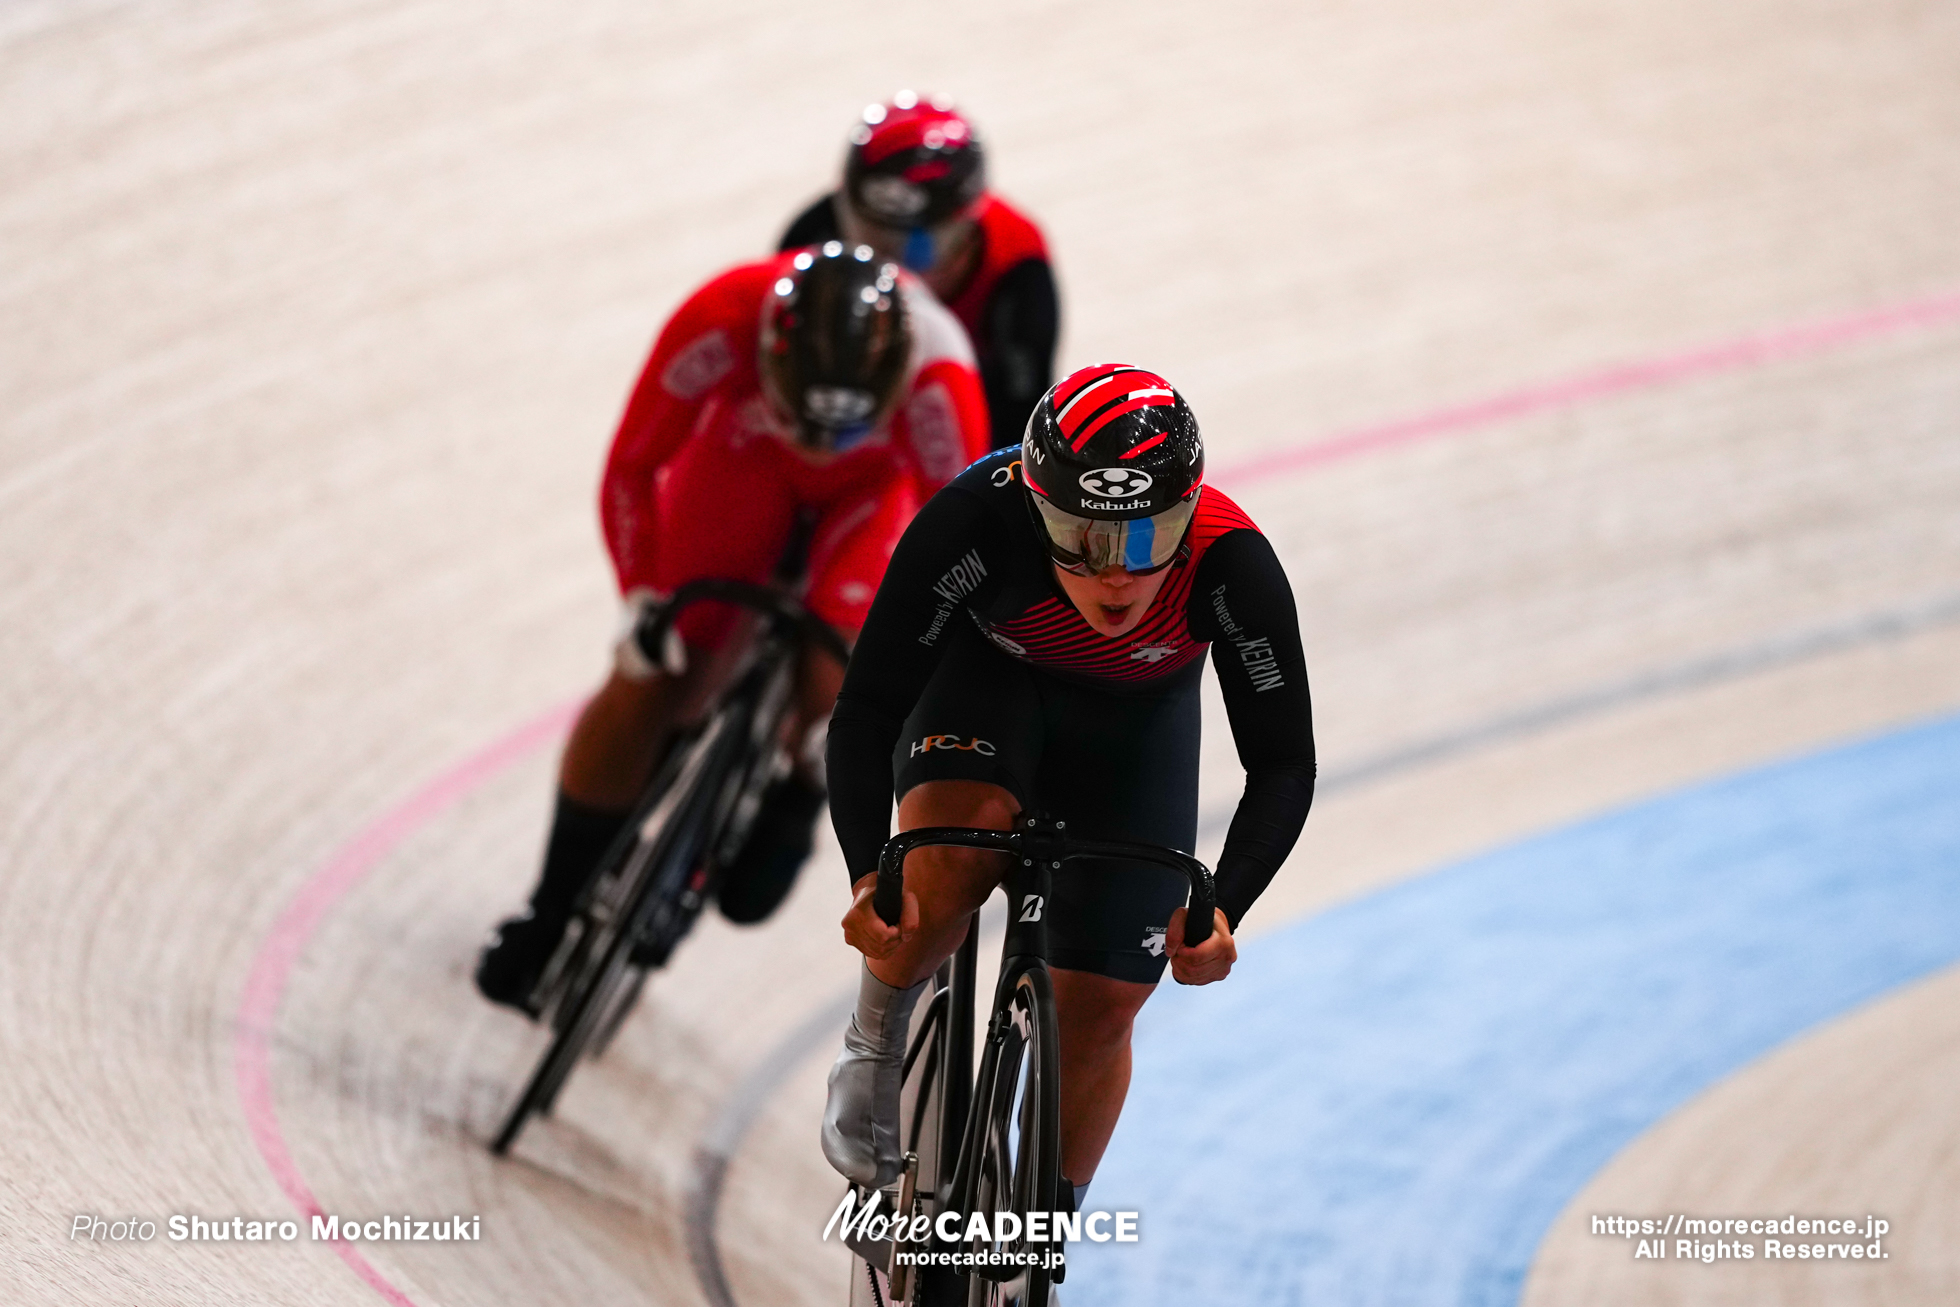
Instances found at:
x=314 y=320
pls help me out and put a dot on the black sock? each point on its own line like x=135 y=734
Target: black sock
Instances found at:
x=580 y=836
x=765 y=870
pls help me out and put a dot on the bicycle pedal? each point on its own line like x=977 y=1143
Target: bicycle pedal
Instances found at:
x=905 y=1206
x=876 y=1253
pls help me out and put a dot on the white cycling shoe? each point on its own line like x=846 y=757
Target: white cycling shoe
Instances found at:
x=860 y=1117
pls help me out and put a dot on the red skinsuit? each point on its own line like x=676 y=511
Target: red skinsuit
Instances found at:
x=704 y=479
x=1007 y=238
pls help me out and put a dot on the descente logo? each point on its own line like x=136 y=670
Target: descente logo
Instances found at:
x=976 y=745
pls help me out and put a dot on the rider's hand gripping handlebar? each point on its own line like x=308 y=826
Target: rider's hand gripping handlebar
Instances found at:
x=1036 y=839
x=789 y=618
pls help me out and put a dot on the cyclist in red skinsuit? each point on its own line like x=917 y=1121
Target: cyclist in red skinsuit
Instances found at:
x=915 y=190
x=822 y=384
x=705 y=476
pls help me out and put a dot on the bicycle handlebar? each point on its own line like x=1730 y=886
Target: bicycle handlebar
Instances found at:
x=1036 y=840
x=785 y=614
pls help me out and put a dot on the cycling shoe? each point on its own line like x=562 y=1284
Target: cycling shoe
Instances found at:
x=860 y=1118
x=507 y=971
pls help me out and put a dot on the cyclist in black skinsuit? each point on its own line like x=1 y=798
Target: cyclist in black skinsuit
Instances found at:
x=915 y=190
x=1037 y=642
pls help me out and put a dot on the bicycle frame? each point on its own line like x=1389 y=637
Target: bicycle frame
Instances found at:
x=658 y=875
x=1038 y=848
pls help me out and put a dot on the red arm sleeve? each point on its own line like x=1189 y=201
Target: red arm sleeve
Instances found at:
x=705 y=351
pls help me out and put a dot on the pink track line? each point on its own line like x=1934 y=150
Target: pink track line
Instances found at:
x=1748 y=351
x=273 y=965
x=280 y=952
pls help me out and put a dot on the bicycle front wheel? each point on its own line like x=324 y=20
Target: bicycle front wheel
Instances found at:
x=607 y=982
x=1018 y=1166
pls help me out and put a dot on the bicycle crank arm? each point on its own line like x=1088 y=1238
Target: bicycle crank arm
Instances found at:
x=900 y=1276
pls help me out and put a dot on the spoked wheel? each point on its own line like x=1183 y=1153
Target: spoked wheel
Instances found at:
x=1018 y=1167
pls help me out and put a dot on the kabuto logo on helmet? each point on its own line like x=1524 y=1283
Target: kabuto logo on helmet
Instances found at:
x=1112 y=441
x=1116 y=482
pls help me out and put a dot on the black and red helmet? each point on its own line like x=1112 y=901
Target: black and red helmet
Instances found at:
x=1113 y=462
x=913 y=163
x=836 y=343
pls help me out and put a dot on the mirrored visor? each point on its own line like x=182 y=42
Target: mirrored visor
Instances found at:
x=1138 y=544
x=838 y=406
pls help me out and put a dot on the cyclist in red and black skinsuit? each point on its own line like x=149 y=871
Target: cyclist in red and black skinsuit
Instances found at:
x=824 y=383
x=915 y=190
x=1037 y=642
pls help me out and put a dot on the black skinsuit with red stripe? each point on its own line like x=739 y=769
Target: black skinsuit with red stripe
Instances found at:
x=974 y=665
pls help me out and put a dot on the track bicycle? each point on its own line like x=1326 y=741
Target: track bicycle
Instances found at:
x=989 y=1141
x=690 y=823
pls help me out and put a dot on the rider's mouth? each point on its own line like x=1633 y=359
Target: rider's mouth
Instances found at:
x=1114 y=614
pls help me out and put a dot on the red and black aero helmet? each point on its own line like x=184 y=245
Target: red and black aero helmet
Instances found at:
x=913 y=163
x=836 y=343
x=1113 y=462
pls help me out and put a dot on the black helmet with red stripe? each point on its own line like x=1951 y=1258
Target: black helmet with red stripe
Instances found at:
x=914 y=162
x=1113 y=461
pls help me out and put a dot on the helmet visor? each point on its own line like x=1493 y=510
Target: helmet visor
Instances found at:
x=1087 y=545
x=918 y=248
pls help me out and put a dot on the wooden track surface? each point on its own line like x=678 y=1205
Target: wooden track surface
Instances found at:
x=315 y=319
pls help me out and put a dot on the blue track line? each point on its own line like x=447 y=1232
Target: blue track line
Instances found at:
x=1389 y=1103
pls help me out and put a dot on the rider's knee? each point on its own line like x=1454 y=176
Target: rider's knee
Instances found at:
x=1106 y=1027
x=970 y=866
x=1097 y=1012
x=625 y=700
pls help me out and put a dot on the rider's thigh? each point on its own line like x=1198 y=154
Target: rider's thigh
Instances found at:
x=1095 y=1011
x=957 y=803
x=950 y=882
x=1121 y=767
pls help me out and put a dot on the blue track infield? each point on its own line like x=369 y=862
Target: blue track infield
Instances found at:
x=1389 y=1103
